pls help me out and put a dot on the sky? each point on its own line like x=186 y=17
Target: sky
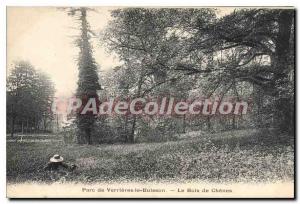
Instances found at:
x=44 y=36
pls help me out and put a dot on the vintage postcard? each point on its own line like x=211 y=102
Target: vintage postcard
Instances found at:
x=150 y=102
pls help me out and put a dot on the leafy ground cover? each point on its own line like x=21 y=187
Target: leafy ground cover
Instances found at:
x=232 y=156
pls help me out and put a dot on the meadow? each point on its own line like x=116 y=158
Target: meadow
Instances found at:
x=232 y=156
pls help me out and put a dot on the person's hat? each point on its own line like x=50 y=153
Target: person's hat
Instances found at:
x=56 y=158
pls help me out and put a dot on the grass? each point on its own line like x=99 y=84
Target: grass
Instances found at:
x=233 y=156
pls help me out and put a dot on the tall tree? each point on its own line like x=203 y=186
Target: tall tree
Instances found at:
x=149 y=42
x=88 y=82
x=29 y=97
x=248 y=46
x=257 y=34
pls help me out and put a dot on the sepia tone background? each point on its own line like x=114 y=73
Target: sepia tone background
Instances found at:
x=45 y=37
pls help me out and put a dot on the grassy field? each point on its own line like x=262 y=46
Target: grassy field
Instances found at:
x=233 y=156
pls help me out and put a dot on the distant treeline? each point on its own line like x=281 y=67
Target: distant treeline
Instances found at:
x=29 y=97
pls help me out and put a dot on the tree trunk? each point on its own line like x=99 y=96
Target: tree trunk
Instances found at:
x=258 y=97
x=184 y=123
x=131 y=136
x=208 y=123
x=45 y=125
x=125 y=130
x=27 y=126
x=233 y=124
x=22 y=127
x=12 y=131
x=283 y=106
x=88 y=135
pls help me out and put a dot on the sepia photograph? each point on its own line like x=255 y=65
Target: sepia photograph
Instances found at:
x=150 y=102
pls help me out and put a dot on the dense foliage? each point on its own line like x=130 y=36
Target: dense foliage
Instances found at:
x=88 y=81
x=247 y=54
x=30 y=94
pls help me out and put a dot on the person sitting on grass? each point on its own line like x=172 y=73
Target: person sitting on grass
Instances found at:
x=56 y=163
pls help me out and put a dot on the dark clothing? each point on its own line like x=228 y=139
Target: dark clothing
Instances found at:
x=55 y=166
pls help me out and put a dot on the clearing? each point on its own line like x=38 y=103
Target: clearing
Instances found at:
x=232 y=156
